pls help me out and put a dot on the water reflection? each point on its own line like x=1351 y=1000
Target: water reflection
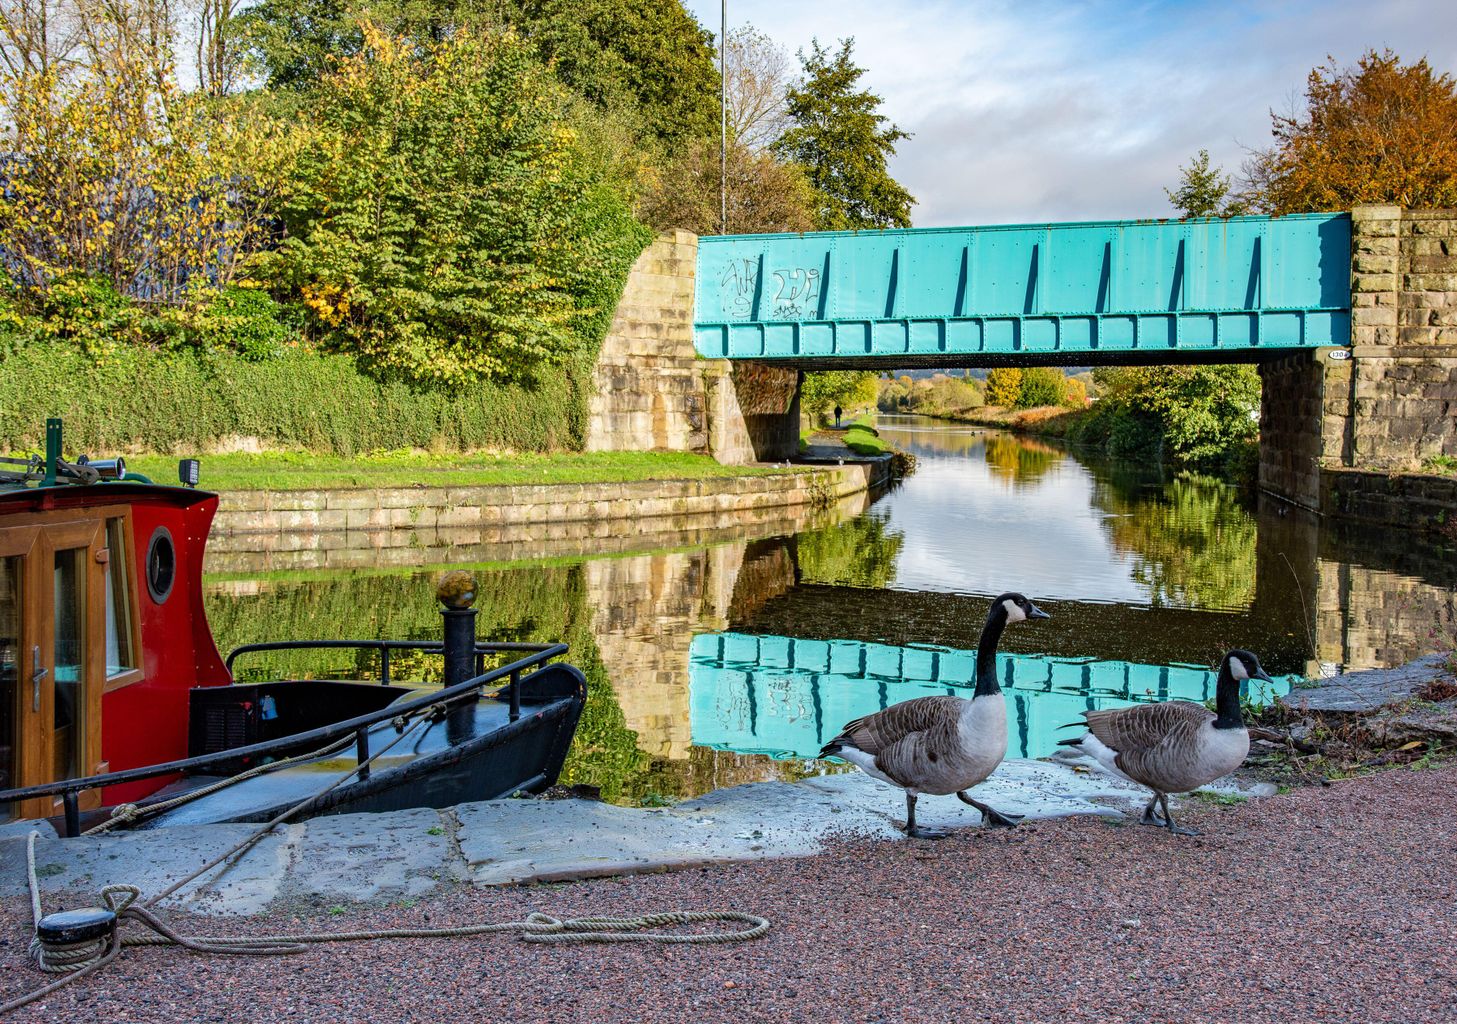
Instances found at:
x=711 y=645
x=786 y=697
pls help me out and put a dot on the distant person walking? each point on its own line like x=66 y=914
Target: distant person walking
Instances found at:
x=838 y=410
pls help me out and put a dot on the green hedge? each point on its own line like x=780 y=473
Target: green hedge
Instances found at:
x=138 y=399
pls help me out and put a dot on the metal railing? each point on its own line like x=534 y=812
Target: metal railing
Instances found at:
x=384 y=647
x=537 y=655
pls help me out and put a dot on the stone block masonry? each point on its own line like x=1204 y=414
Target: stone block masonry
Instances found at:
x=1393 y=404
x=651 y=391
x=539 y=505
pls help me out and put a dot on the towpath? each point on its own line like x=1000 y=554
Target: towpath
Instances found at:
x=1323 y=904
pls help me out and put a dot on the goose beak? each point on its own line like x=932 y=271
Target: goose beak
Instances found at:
x=1262 y=674
x=1038 y=613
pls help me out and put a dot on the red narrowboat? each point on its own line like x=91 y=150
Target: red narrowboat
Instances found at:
x=116 y=709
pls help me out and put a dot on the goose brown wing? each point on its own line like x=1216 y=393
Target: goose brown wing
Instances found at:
x=875 y=733
x=1145 y=726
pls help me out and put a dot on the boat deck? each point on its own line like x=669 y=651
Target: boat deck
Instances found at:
x=258 y=798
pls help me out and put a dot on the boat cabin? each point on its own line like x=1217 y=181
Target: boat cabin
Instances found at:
x=113 y=695
x=101 y=621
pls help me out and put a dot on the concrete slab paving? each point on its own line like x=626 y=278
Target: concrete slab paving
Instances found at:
x=368 y=857
x=1367 y=690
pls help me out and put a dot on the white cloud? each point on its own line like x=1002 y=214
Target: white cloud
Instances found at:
x=1059 y=111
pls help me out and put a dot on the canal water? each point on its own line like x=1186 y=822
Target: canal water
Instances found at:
x=723 y=652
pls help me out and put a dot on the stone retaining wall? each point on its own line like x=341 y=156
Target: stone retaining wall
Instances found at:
x=543 y=505
x=1410 y=500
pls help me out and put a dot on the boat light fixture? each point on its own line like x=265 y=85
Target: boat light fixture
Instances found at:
x=106 y=469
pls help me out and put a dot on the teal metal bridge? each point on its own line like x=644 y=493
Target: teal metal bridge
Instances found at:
x=1212 y=290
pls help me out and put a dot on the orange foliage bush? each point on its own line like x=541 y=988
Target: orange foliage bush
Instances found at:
x=1380 y=132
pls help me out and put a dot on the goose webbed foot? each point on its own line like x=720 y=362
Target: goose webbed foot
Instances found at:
x=916 y=831
x=1168 y=822
x=1151 y=816
x=990 y=815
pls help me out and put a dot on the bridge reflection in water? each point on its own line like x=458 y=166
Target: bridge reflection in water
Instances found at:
x=785 y=697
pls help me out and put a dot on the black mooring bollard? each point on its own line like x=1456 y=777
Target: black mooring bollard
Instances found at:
x=457 y=592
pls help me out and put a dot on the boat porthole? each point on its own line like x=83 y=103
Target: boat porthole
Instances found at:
x=161 y=564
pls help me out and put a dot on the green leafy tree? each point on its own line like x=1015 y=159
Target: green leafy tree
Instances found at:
x=650 y=55
x=1041 y=385
x=651 y=52
x=848 y=389
x=1193 y=413
x=444 y=227
x=1004 y=386
x=843 y=141
x=1204 y=191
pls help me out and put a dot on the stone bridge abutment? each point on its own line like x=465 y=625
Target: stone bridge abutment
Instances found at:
x=652 y=390
x=1389 y=401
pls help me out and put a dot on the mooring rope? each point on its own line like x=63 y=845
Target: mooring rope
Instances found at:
x=78 y=959
x=125 y=814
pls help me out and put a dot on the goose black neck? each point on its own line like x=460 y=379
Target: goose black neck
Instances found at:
x=986 y=652
x=1226 y=701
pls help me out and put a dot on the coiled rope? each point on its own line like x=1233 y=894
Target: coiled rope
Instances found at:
x=78 y=959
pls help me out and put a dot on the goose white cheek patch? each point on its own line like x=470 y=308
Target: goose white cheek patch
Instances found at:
x=1014 y=614
x=1237 y=669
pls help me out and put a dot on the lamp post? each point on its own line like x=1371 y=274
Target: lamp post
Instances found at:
x=723 y=117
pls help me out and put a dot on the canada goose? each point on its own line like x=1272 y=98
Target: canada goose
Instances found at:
x=944 y=744
x=1175 y=746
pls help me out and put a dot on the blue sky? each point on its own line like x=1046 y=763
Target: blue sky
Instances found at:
x=1034 y=110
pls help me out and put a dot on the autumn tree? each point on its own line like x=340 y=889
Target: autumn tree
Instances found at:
x=839 y=136
x=118 y=176
x=217 y=44
x=34 y=34
x=1379 y=132
x=1004 y=386
x=1075 y=394
x=764 y=193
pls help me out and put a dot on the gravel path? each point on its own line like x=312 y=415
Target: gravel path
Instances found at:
x=1319 y=905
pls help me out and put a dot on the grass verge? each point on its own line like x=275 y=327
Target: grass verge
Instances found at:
x=298 y=471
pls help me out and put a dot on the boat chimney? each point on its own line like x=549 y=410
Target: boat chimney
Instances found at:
x=456 y=591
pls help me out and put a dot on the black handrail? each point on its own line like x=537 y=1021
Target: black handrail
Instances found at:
x=540 y=654
x=383 y=646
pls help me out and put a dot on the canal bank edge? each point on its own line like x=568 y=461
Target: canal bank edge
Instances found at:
x=409 y=508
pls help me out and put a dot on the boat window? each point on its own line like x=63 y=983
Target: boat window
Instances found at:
x=120 y=646
x=161 y=564
x=70 y=632
x=10 y=662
